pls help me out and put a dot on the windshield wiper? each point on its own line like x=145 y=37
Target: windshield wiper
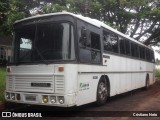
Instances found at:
x=39 y=53
x=41 y=56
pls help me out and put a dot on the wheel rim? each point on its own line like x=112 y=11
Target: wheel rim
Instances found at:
x=102 y=91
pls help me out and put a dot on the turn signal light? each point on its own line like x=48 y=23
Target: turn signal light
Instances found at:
x=61 y=69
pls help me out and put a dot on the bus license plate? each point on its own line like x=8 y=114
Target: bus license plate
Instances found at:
x=30 y=98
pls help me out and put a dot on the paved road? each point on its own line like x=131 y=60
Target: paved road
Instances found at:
x=135 y=101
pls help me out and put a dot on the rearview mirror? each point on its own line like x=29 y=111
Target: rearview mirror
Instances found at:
x=83 y=38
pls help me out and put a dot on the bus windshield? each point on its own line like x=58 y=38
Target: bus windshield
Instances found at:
x=44 y=42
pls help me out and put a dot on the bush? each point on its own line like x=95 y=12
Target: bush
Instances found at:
x=158 y=73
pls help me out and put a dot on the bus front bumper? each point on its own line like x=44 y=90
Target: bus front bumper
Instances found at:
x=60 y=100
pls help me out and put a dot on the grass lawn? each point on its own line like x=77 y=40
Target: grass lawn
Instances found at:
x=2 y=82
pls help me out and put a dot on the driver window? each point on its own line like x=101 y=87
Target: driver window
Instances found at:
x=84 y=52
x=89 y=43
x=95 y=47
x=83 y=37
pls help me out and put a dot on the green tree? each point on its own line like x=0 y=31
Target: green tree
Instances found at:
x=12 y=10
x=157 y=61
x=139 y=19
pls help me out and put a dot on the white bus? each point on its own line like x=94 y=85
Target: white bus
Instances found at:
x=63 y=59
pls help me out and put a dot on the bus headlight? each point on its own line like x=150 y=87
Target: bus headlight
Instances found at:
x=53 y=99
x=45 y=99
x=61 y=99
x=13 y=96
x=7 y=95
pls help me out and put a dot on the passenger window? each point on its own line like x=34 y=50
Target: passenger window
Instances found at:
x=127 y=45
x=122 y=45
x=110 y=41
x=147 y=54
x=152 y=57
x=107 y=41
x=142 y=52
x=114 y=42
x=134 y=50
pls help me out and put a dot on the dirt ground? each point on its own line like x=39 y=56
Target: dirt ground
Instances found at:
x=121 y=107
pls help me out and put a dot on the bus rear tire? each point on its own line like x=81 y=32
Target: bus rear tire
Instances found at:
x=102 y=93
x=147 y=82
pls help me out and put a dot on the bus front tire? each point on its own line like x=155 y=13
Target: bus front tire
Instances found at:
x=102 y=93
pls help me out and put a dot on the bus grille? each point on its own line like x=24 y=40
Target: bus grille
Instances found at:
x=59 y=84
x=9 y=83
x=23 y=83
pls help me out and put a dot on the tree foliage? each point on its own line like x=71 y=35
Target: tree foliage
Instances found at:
x=157 y=61
x=139 y=19
x=12 y=10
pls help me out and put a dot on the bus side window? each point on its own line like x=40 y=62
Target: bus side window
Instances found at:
x=107 y=42
x=127 y=46
x=152 y=57
x=114 y=41
x=132 y=49
x=142 y=52
x=147 y=55
x=122 y=45
x=95 y=47
x=136 y=50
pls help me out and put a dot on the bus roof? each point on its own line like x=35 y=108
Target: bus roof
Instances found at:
x=94 y=22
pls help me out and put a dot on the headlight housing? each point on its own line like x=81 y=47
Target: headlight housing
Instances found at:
x=13 y=96
x=61 y=99
x=7 y=95
x=53 y=99
x=45 y=99
x=18 y=96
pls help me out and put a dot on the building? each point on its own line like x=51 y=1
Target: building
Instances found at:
x=5 y=48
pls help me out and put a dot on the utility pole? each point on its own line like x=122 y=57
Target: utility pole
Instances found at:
x=85 y=7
